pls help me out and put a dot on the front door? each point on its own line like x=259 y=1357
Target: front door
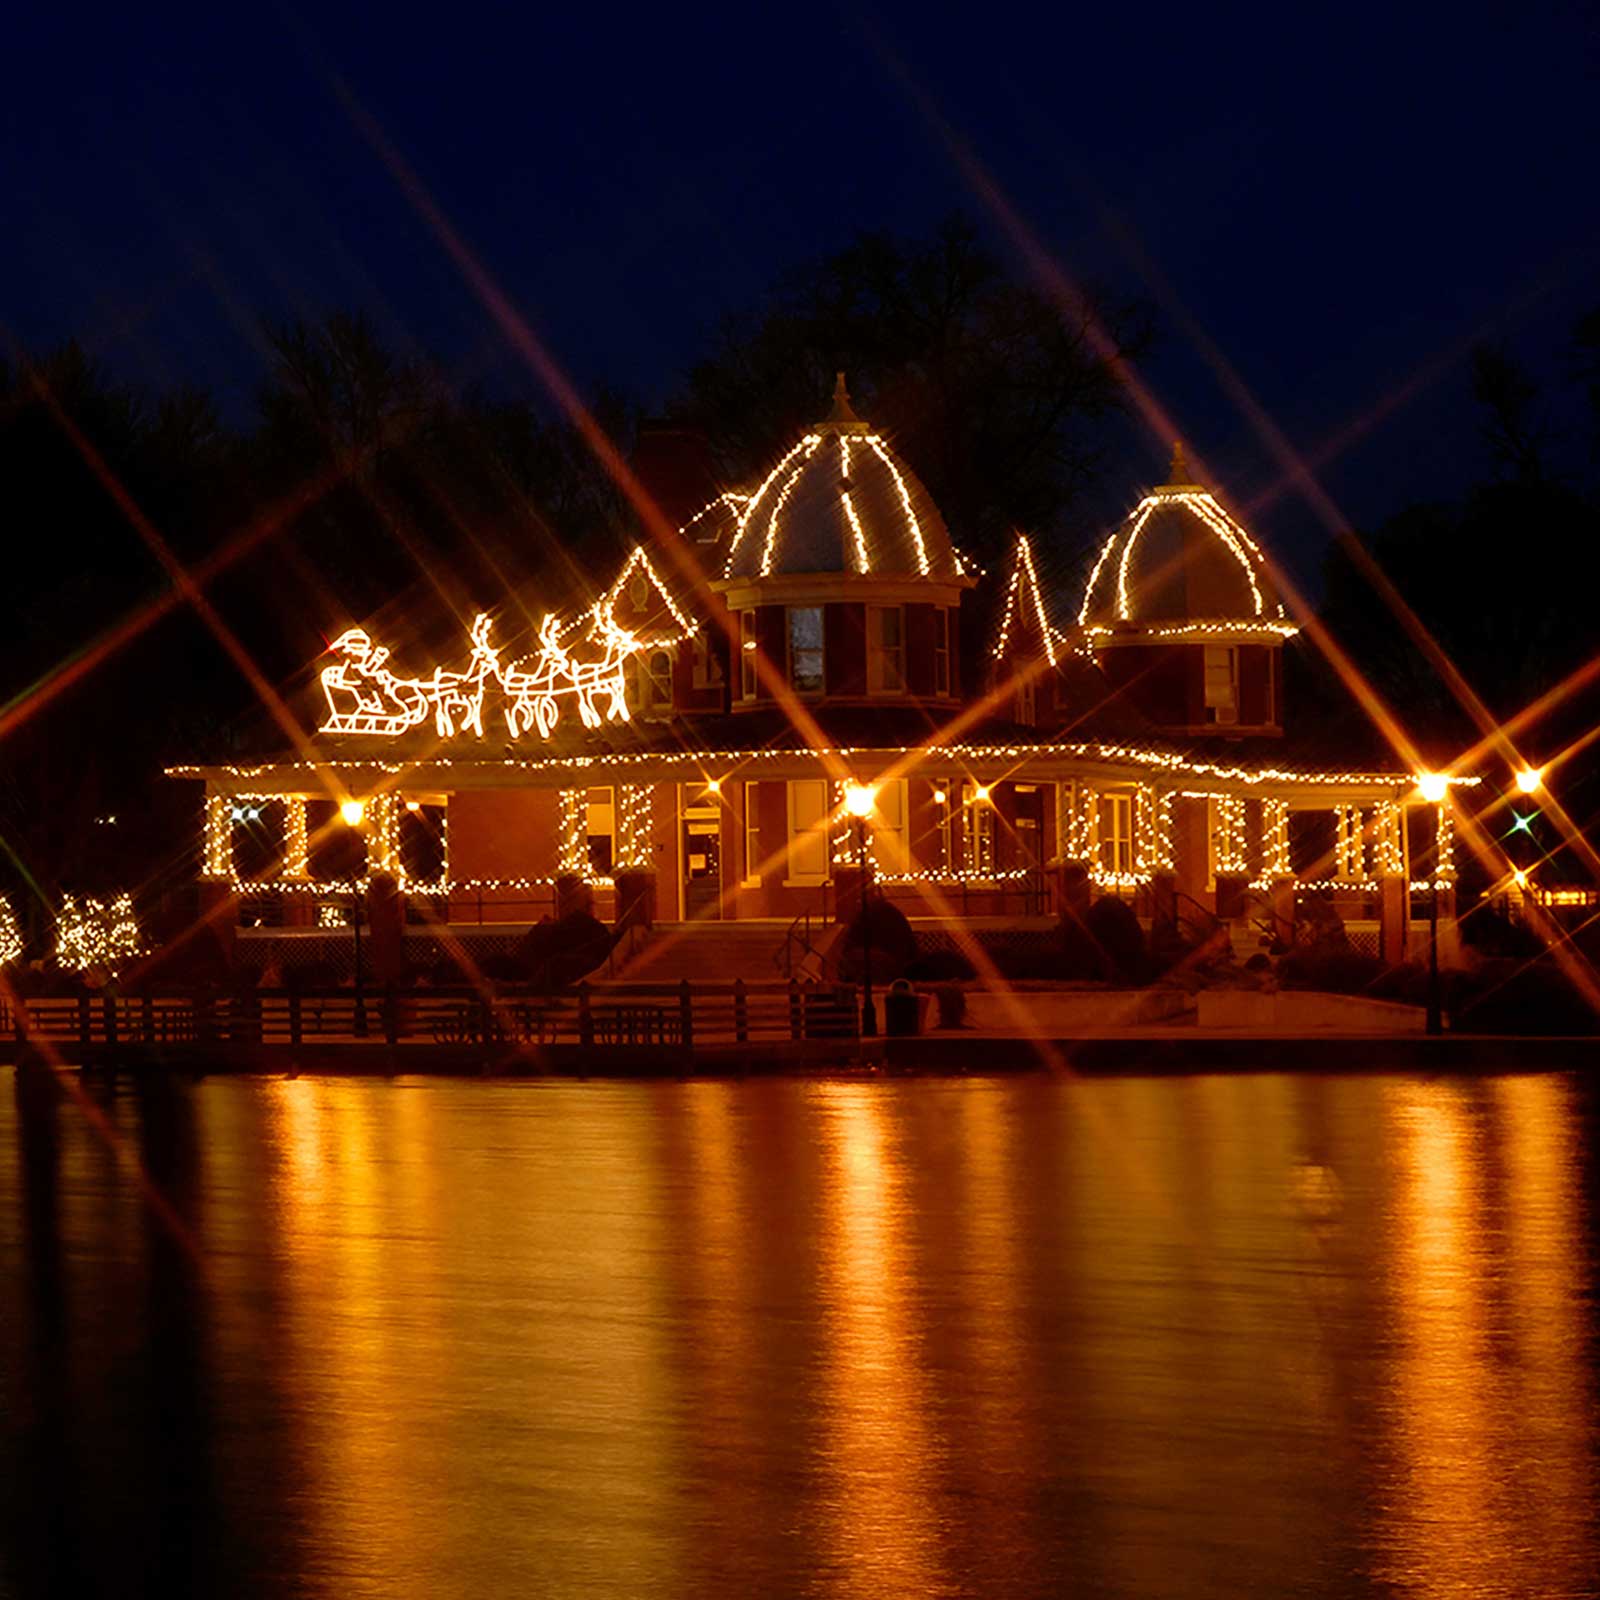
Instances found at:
x=702 y=860
x=1030 y=844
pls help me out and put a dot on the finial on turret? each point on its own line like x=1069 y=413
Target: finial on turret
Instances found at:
x=1179 y=471
x=841 y=402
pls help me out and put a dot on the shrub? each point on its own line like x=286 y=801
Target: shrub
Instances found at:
x=941 y=966
x=894 y=945
x=1489 y=930
x=559 y=953
x=1329 y=969
x=1107 y=944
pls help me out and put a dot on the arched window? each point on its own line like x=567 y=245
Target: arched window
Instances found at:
x=658 y=681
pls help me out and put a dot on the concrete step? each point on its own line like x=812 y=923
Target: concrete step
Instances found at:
x=709 y=952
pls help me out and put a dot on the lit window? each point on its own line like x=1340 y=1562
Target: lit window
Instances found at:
x=1116 y=833
x=809 y=818
x=891 y=850
x=941 y=650
x=600 y=829
x=658 y=684
x=747 y=655
x=752 y=834
x=1027 y=702
x=707 y=663
x=977 y=816
x=1222 y=683
x=886 y=650
x=805 y=649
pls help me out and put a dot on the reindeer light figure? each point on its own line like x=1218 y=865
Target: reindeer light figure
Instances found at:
x=460 y=694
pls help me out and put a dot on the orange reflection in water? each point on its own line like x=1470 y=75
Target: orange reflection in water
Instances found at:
x=1489 y=1419
x=879 y=1463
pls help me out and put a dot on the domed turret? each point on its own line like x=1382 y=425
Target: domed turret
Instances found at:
x=840 y=500
x=1180 y=558
x=1180 y=610
x=842 y=576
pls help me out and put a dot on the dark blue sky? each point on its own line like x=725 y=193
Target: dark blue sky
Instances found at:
x=1341 y=198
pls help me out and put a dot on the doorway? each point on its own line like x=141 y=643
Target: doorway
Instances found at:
x=702 y=856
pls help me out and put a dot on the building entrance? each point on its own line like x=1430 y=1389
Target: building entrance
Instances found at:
x=702 y=859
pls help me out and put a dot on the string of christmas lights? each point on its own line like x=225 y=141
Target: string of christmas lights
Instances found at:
x=96 y=934
x=11 y=945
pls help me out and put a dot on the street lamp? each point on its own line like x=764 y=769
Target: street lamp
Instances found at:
x=858 y=801
x=1434 y=787
x=1529 y=779
x=353 y=812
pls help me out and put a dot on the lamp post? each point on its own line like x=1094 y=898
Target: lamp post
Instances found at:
x=353 y=812
x=1434 y=787
x=360 y=1022
x=858 y=801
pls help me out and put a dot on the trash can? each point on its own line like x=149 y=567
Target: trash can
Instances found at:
x=902 y=1010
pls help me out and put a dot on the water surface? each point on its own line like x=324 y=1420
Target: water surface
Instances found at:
x=1211 y=1336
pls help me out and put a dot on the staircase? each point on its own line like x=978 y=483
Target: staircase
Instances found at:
x=709 y=952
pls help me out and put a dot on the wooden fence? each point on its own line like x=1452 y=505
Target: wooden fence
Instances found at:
x=680 y=1015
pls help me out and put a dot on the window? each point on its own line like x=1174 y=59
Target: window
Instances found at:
x=941 y=650
x=1222 y=683
x=977 y=816
x=600 y=829
x=890 y=847
x=886 y=650
x=747 y=655
x=1116 y=834
x=943 y=813
x=809 y=815
x=752 y=835
x=658 y=682
x=805 y=649
x=1027 y=702
x=707 y=663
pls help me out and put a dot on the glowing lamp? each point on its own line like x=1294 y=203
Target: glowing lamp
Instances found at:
x=1433 y=786
x=981 y=795
x=713 y=785
x=1529 y=779
x=352 y=811
x=939 y=797
x=859 y=798
x=413 y=805
x=1520 y=876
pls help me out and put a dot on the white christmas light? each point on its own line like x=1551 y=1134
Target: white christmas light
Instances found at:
x=96 y=934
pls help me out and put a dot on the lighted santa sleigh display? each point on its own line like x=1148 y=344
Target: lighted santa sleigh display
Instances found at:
x=366 y=696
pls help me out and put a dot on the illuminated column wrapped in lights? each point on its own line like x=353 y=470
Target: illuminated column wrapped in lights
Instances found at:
x=1349 y=852
x=296 y=844
x=383 y=835
x=1444 y=871
x=572 y=831
x=1275 y=840
x=217 y=838
x=1152 y=831
x=1083 y=841
x=1388 y=850
x=633 y=827
x=841 y=834
x=1232 y=839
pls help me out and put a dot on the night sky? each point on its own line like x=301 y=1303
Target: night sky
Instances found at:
x=1342 y=199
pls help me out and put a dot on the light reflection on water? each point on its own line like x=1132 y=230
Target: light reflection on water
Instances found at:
x=1206 y=1336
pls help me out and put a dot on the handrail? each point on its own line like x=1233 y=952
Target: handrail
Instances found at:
x=798 y=932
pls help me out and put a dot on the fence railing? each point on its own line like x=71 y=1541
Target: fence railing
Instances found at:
x=684 y=1015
